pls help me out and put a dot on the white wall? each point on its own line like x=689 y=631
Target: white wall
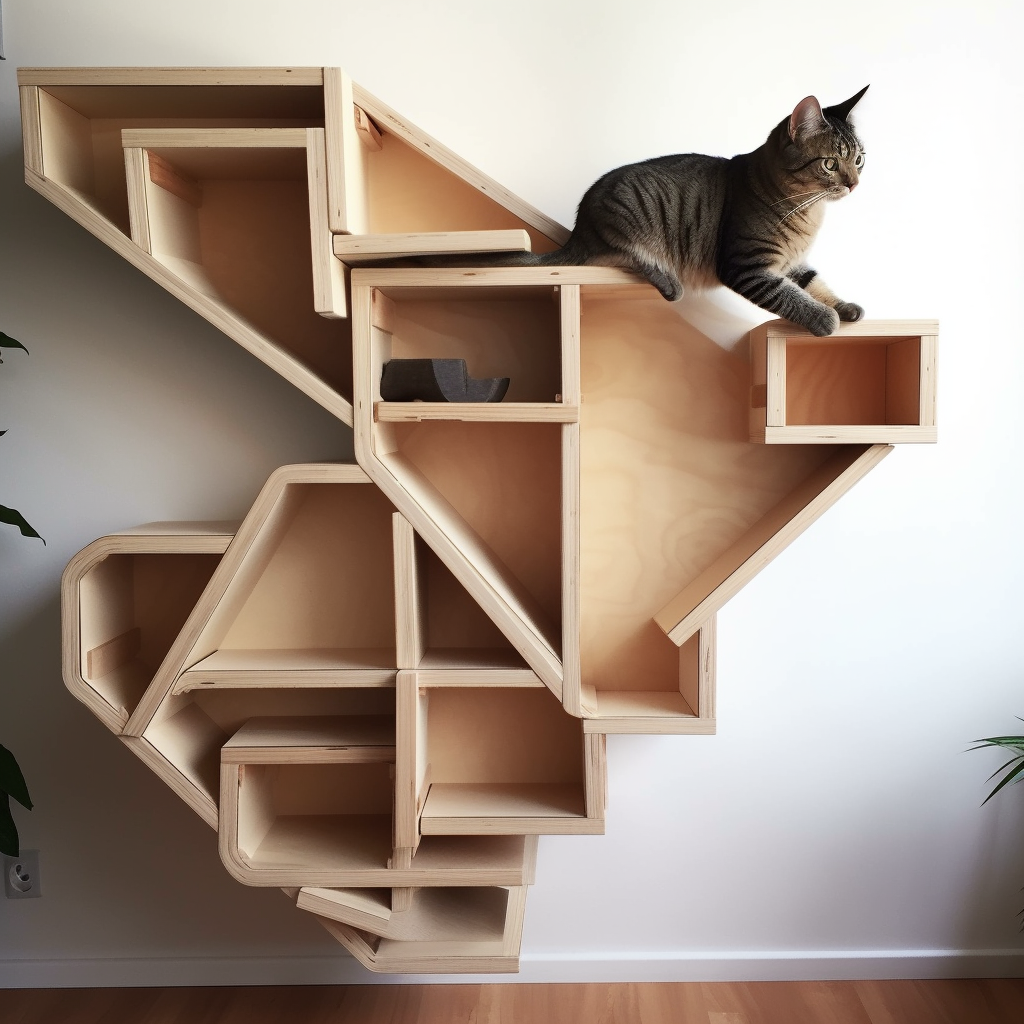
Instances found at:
x=832 y=827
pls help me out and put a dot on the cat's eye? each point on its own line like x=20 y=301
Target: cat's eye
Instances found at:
x=860 y=160
x=831 y=163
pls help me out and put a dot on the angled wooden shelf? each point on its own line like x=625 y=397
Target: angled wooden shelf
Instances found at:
x=392 y=677
x=444 y=931
x=356 y=249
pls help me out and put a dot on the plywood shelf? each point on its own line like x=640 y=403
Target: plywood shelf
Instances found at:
x=395 y=186
x=340 y=739
x=509 y=808
x=356 y=249
x=183 y=741
x=291 y=668
x=239 y=216
x=476 y=412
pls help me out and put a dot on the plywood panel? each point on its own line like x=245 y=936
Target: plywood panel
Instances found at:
x=668 y=479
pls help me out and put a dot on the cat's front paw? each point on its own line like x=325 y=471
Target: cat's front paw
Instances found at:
x=822 y=322
x=849 y=311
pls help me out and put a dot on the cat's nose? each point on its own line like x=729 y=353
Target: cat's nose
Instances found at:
x=851 y=185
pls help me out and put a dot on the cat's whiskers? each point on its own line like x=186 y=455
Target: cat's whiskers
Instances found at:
x=795 y=195
x=804 y=205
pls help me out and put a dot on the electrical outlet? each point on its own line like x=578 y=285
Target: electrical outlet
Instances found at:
x=21 y=876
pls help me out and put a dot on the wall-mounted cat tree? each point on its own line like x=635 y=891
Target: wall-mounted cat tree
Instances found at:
x=390 y=678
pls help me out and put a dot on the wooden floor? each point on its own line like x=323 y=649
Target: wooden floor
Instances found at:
x=857 y=1002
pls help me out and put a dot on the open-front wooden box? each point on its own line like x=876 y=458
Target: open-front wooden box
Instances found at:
x=443 y=931
x=239 y=215
x=220 y=231
x=313 y=595
x=307 y=802
x=873 y=382
x=440 y=629
x=492 y=760
x=125 y=598
x=485 y=479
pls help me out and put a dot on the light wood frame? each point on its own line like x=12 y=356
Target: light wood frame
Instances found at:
x=444 y=931
x=872 y=382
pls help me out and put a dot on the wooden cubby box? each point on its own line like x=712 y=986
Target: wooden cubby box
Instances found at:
x=310 y=601
x=307 y=801
x=463 y=930
x=872 y=382
x=124 y=599
x=492 y=760
x=219 y=234
x=500 y=332
x=404 y=197
x=440 y=629
x=239 y=216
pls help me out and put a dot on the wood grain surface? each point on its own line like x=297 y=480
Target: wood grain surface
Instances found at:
x=824 y=1002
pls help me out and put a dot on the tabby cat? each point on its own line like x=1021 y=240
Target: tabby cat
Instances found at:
x=746 y=223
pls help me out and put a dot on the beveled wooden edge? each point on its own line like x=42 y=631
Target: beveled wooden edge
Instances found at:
x=858 y=329
x=213 y=138
x=126 y=76
x=178 y=784
x=483 y=277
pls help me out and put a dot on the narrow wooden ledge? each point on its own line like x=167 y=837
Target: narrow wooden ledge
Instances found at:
x=476 y=412
x=360 y=248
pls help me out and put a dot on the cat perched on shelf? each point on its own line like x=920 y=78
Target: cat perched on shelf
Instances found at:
x=747 y=222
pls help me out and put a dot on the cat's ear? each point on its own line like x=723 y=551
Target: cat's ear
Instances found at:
x=806 y=119
x=841 y=111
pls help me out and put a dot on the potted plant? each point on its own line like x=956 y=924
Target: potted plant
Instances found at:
x=12 y=782
x=1013 y=770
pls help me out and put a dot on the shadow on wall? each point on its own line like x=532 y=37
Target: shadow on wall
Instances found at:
x=993 y=896
x=127 y=866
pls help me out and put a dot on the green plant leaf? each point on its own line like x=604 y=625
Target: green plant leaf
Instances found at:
x=1003 y=767
x=1000 y=741
x=11 y=779
x=9 y=842
x=8 y=342
x=1010 y=777
x=13 y=517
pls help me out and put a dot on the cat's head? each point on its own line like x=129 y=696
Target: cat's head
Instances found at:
x=819 y=149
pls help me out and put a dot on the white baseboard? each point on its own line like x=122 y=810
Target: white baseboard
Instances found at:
x=550 y=968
